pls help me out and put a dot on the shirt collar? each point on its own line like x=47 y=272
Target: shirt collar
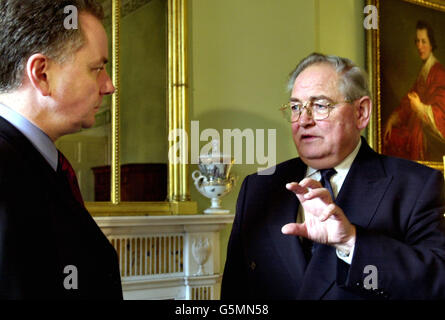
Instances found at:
x=35 y=135
x=429 y=63
x=343 y=167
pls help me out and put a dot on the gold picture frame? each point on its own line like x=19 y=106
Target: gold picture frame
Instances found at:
x=393 y=68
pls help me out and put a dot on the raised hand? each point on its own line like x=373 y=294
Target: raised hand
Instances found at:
x=325 y=222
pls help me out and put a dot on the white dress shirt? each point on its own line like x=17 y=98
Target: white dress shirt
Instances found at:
x=336 y=183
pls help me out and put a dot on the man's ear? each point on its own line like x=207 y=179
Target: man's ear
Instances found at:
x=364 y=109
x=37 y=73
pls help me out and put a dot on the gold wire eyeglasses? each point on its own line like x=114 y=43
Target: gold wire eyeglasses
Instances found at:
x=317 y=109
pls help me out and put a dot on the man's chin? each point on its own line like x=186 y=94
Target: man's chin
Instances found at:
x=316 y=159
x=318 y=163
x=310 y=151
x=88 y=124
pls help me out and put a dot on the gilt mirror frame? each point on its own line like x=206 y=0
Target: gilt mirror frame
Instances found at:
x=178 y=194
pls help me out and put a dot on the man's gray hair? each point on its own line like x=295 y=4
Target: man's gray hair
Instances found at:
x=353 y=83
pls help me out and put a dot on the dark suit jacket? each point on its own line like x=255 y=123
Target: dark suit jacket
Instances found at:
x=43 y=229
x=397 y=207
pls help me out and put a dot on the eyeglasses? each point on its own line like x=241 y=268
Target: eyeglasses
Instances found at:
x=317 y=109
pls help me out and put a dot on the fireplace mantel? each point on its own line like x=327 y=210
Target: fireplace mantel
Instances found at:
x=167 y=257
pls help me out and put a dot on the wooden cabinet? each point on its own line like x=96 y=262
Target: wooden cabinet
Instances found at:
x=139 y=182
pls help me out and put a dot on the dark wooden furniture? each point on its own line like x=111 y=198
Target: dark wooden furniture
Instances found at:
x=139 y=182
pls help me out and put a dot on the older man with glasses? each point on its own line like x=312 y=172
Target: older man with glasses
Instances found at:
x=340 y=221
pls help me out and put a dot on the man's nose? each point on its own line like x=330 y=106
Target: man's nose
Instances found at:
x=306 y=117
x=108 y=87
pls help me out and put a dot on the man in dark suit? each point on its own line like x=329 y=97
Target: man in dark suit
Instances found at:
x=340 y=221
x=52 y=81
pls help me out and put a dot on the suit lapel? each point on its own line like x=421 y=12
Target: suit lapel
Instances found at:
x=359 y=197
x=364 y=187
x=54 y=187
x=282 y=209
x=25 y=148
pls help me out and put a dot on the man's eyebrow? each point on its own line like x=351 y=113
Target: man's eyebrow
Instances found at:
x=313 y=98
x=102 y=60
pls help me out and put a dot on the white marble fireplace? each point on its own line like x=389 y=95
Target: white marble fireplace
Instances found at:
x=168 y=257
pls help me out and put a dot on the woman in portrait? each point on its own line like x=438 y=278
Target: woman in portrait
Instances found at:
x=416 y=128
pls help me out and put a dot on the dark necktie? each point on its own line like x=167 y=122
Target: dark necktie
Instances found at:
x=309 y=246
x=65 y=169
x=326 y=175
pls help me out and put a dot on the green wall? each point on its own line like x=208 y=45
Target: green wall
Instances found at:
x=340 y=29
x=143 y=82
x=240 y=54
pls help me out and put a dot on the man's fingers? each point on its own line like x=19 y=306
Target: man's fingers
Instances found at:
x=304 y=186
x=296 y=188
x=321 y=193
x=296 y=229
x=310 y=183
x=330 y=210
